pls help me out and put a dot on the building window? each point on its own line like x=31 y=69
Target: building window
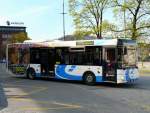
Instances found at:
x=6 y=36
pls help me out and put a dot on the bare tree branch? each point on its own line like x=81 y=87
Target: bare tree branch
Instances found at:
x=147 y=13
x=142 y=27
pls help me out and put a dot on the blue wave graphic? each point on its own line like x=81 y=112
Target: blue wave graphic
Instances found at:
x=61 y=74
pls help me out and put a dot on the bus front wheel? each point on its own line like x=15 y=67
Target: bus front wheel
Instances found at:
x=31 y=74
x=89 y=78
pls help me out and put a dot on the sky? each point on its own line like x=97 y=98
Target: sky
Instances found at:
x=42 y=18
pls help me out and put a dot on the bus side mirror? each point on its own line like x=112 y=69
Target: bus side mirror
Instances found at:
x=136 y=67
x=125 y=51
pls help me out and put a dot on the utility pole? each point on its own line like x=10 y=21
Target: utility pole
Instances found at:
x=63 y=13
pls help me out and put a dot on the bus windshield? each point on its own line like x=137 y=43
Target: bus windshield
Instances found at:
x=129 y=56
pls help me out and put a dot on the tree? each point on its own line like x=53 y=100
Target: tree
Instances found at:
x=18 y=37
x=138 y=12
x=144 y=50
x=107 y=27
x=88 y=15
x=80 y=34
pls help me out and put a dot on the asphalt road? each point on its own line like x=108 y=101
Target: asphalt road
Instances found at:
x=20 y=95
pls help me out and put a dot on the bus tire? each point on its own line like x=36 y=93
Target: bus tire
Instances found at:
x=31 y=74
x=89 y=78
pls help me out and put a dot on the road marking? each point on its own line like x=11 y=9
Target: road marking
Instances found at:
x=68 y=105
x=15 y=96
x=44 y=102
x=46 y=108
x=37 y=90
x=57 y=105
x=61 y=106
x=28 y=100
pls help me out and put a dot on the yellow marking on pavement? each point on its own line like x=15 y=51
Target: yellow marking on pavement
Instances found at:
x=68 y=105
x=37 y=90
x=44 y=102
x=46 y=108
x=56 y=105
x=28 y=100
x=60 y=106
x=17 y=95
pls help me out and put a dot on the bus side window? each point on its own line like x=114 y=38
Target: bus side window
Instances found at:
x=62 y=56
x=73 y=59
x=97 y=56
x=93 y=56
x=88 y=58
x=66 y=59
x=58 y=56
x=76 y=58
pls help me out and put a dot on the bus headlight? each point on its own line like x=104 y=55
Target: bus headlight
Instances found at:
x=122 y=78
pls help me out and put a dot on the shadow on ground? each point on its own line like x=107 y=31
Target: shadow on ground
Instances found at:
x=139 y=84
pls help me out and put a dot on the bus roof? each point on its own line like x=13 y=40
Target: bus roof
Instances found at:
x=27 y=45
x=76 y=43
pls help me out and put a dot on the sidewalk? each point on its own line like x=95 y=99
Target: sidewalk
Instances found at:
x=144 y=72
x=144 y=68
x=3 y=98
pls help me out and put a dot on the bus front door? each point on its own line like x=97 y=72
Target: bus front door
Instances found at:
x=109 y=70
x=47 y=61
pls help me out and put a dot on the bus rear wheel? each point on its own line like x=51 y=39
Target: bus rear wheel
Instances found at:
x=89 y=78
x=31 y=74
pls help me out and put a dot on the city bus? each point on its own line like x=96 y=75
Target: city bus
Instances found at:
x=90 y=61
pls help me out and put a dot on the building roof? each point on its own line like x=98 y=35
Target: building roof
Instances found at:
x=10 y=29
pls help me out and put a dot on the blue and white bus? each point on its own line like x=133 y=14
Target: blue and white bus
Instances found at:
x=91 y=61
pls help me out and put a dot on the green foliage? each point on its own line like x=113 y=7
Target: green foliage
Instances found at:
x=107 y=26
x=88 y=15
x=19 y=37
x=115 y=10
x=144 y=50
x=137 y=16
x=81 y=34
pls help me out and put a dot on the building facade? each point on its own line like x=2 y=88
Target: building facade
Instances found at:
x=6 y=33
